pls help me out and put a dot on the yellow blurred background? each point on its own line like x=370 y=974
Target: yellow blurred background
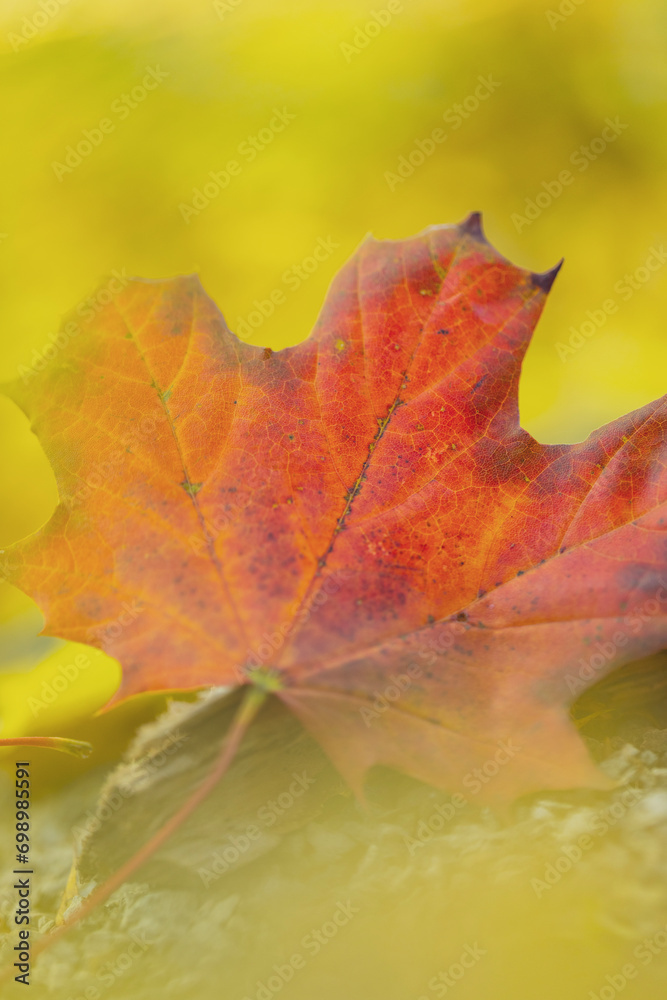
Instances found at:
x=156 y=96
x=353 y=93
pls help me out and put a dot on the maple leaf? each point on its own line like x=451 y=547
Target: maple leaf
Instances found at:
x=358 y=522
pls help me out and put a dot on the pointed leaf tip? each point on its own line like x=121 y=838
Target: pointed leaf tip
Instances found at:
x=472 y=225
x=547 y=278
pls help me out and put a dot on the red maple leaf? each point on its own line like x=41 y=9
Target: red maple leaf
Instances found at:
x=358 y=522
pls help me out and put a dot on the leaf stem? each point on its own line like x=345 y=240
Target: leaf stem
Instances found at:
x=246 y=712
x=78 y=748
